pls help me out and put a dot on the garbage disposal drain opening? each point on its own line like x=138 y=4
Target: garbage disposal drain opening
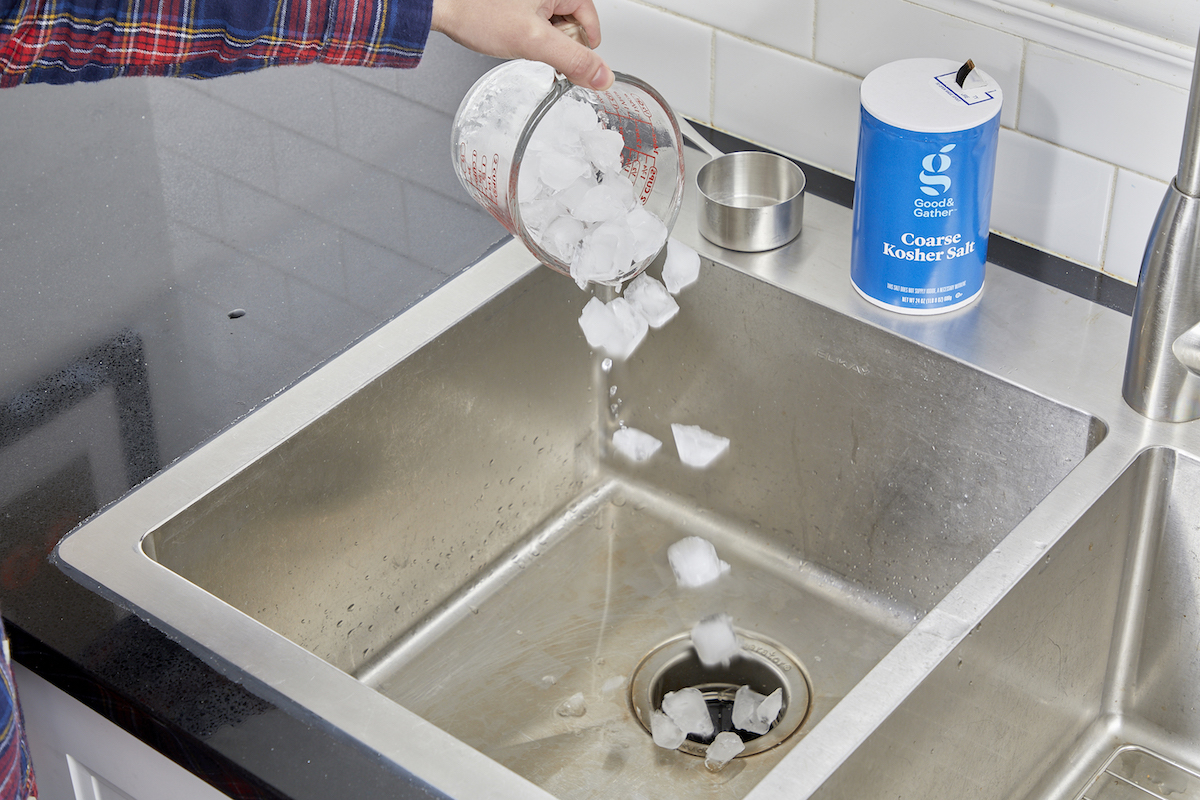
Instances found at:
x=763 y=666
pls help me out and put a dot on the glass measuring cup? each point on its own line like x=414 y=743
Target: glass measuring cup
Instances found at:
x=500 y=116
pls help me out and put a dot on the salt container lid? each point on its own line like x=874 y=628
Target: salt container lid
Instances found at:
x=921 y=94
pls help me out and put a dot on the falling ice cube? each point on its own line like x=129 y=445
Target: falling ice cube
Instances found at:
x=634 y=444
x=694 y=561
x=698 y=447
x=682 y=266
x=714 y=640
x=724 y=748
x=652 y=300
x=613 y=327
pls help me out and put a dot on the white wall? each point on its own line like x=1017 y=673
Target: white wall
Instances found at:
x=1093 y=115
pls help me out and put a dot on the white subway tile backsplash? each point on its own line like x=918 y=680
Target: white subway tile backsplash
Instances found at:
x=1085 y=150
x=859 y=35
x=1053 y=198
x=785 y=24
x=1122 y=118
x=790 y=104
x=672 y=54
x=1135 y=204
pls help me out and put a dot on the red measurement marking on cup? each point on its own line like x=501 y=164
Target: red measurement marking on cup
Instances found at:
x=481 y=170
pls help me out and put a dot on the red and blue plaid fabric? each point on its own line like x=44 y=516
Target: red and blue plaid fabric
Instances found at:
x=61 y=41
x=16 y=769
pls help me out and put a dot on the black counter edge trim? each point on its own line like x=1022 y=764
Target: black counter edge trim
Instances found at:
x=183 y=749
x=1024 y=259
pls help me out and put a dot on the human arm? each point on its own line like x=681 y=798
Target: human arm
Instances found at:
x=523 y=29
x=87 y=40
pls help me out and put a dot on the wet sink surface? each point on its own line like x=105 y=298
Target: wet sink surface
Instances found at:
x=448 y=534
x=1083 y=682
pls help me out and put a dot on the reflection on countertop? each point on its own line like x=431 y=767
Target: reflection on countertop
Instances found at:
x=135 y=216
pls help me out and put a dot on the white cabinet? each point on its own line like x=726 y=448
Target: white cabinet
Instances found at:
x=79 y=755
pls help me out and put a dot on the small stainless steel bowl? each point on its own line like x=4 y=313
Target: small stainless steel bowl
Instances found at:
x=753 y=201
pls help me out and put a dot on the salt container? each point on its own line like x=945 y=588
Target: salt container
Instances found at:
x=923 y=184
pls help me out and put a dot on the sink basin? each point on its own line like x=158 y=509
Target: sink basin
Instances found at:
x=1083 y=682
x=430 y=545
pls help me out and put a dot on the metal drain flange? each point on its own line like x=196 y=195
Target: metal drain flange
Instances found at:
x=763 y=665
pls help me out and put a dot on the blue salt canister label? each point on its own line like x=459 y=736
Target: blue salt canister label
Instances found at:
x=923 y=186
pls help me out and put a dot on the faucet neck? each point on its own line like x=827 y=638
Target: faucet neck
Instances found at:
x=1187 y=180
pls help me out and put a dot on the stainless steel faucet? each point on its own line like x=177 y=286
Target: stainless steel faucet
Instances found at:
x=1162 y=369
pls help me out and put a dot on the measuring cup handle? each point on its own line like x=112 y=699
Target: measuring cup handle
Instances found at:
x=695 y=138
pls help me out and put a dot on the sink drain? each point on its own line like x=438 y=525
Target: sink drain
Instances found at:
x=762 y=665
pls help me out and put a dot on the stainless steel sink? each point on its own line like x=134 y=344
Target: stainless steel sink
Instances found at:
x=455 y=535
x=1084 y=681
x=430 y=546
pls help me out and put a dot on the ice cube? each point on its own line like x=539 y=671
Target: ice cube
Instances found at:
x=724 y=748
x=559 y=170
x=768 y=710
x=568 y=118
x=652 y=300
x=745 y=708
x=687 y=709
x=665 y=732
x=604 y=256
x=634 y=444
x=714 y=640
x=562 y=237
x=605 y=202
x=613 y=327
x=694 y=562
x=698 y=447
x=649 y=233
x=573 y=706
x=537 y=214
x=682 y=266
x=603 y=148
x=754 y=713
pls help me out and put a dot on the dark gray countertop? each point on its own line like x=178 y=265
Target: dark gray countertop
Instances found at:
x=174 y=253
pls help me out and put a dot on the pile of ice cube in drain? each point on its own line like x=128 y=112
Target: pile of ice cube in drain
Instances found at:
x=686 y=716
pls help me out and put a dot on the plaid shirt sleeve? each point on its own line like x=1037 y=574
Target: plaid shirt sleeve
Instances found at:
x=61 y=41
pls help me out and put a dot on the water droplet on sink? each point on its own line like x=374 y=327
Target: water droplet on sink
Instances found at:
x=606 y=364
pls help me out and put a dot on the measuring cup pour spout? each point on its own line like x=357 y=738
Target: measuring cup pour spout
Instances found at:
x=502 y=115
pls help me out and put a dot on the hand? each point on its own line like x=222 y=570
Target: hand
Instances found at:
x=522 y=29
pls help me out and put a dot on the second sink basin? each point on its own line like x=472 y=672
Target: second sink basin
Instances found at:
x=1083 y=682
x=434 y=528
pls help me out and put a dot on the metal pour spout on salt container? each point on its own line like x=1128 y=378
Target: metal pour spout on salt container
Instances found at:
x=1162 y=369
